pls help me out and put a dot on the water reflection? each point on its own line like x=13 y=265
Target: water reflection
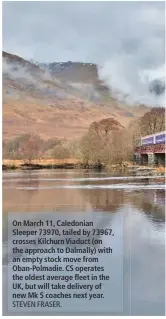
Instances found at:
x=86 y=190
x=151 y=202
x=140 y=201
x=28 y=180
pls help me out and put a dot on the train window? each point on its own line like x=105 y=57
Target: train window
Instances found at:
x=160 y=139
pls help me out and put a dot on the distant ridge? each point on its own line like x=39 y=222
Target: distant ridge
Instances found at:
x=60 y=100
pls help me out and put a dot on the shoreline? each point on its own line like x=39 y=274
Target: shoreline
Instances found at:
x=47 y=164
x=8 y=164
x=75 y=164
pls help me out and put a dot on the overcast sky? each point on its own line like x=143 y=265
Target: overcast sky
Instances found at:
x=125 y=39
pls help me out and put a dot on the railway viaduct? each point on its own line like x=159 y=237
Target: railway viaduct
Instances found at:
x=150 y=150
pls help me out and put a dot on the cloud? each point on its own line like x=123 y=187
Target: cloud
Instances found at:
x=125 y=39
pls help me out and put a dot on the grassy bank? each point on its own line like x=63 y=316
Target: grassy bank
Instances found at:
x=71 y=163
x=126 y=167
x=39 y=164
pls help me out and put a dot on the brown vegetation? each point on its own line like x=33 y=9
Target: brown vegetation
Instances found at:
x=27 y=147
x=106 y=142
x=47 y=162
x=151 y=122
x=61 y=152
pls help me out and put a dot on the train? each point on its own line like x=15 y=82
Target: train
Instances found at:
x=157 y=138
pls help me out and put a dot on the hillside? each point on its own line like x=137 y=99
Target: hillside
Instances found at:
x=72 y=71
x=56 y=104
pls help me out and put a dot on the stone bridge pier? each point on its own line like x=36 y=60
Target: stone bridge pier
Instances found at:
x=153 y=155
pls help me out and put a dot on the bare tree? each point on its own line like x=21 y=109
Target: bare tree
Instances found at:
x=153 y=121
x=60 y=152
x=30 y=148
x=103 y=145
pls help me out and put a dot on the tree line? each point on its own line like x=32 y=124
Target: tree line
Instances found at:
x=106 y=142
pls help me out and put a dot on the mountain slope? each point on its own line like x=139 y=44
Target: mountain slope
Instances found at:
x=36 y=101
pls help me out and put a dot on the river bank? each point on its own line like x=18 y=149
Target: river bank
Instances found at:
x=8 y=164
x=128 y=168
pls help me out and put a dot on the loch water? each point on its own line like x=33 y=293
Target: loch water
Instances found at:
x=139 y=201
